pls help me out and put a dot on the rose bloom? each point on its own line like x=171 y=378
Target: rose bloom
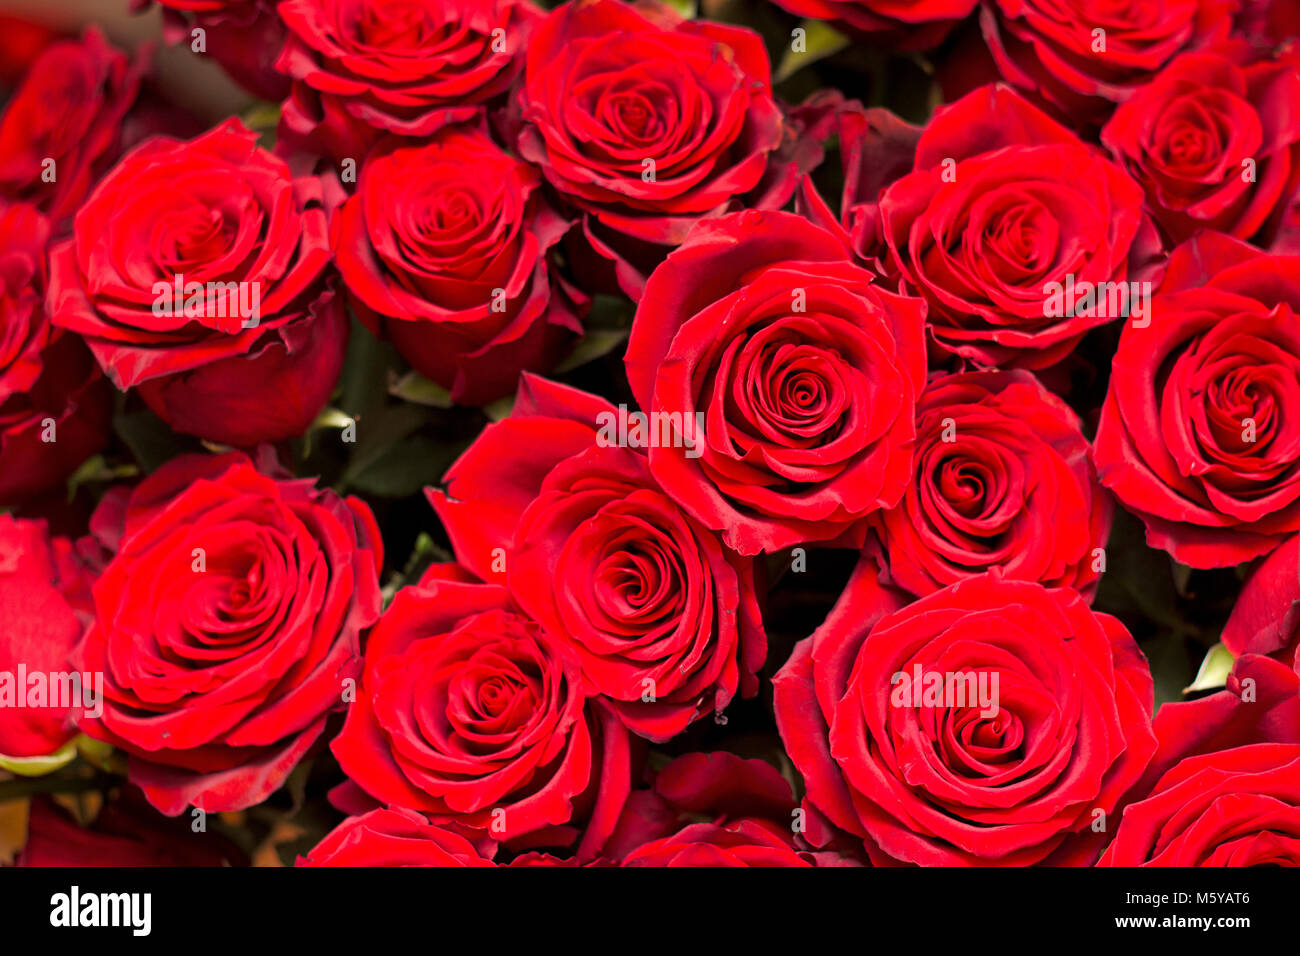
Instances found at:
x=663 y=619
x=470 y=713
x=60 y=130
x=217 y=210
x=445 y=247
x=900 y=24
x=1221 y=790
x=713 y=809
x=363 y=68
x=244 y=36
x=54 y=402
x=1214 y=144
x=1260 y=703
x=1199 y=435
x=1051 y=49
x=647 y=123
x=126 y=832
x=1266 y=617
x=1002 y=480
x=1237 y=807
x=804 y=374
x=1002 y=202
x=393 y=838
x=1058 y=729
x=228 y=625
x=42 y=602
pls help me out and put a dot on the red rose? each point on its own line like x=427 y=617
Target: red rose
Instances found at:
x=663 y=619
x=802 y=373
x=244 y=36
x=647 y=123
x=986 y=724
x=60 y=130
x=195 y=272
x=1082 y=57
x=125 y=832
x=706 y=809
x=1266 y=617
x=742 y=843
x=54 y=403
x=470 y=713
x=1214 y=145
x=1002 y=203
x=1259 y=704
x=463 y=287
x=228 y=625
x=393 y=838
x=363 y=68
x=1002 y=480
x=22 y=41
x=1238 y=807
x=44 y=618
x=902 y=24
x=1200 y=435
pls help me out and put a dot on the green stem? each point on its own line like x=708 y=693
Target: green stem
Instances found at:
x=21 y=787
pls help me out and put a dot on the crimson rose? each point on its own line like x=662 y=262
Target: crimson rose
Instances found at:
x=363 y=68
x=61 y=129
x=470 y=713
x=43 y=591
x=1200 y=433
x=1002 y=203
x=803 y=374
x=195 y=272
x=986 y=724
x=1082 y=57
x=902 y=24
x=1002 y=479
x=393 y=838
x=647 y=123
x=1215 y=145
x=1238 y=807
x=462 y=285
x=662 y=617
x=54 y=402
x=228 y=625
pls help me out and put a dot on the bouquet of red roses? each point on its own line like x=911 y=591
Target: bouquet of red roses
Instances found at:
x=766 y=433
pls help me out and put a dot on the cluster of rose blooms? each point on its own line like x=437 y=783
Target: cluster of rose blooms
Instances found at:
x=464 y=177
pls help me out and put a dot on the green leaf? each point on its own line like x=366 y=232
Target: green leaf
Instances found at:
x=1214 y=670
x=686 y=8
x=500 y=409
x=414 y=387
x=262 y=116
x=595 y=344
x=96 y=470
x=40 y=766
x=378 y=434
x=150 y=440
x=363 y=386
x=403 y=469
x=820 y=40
